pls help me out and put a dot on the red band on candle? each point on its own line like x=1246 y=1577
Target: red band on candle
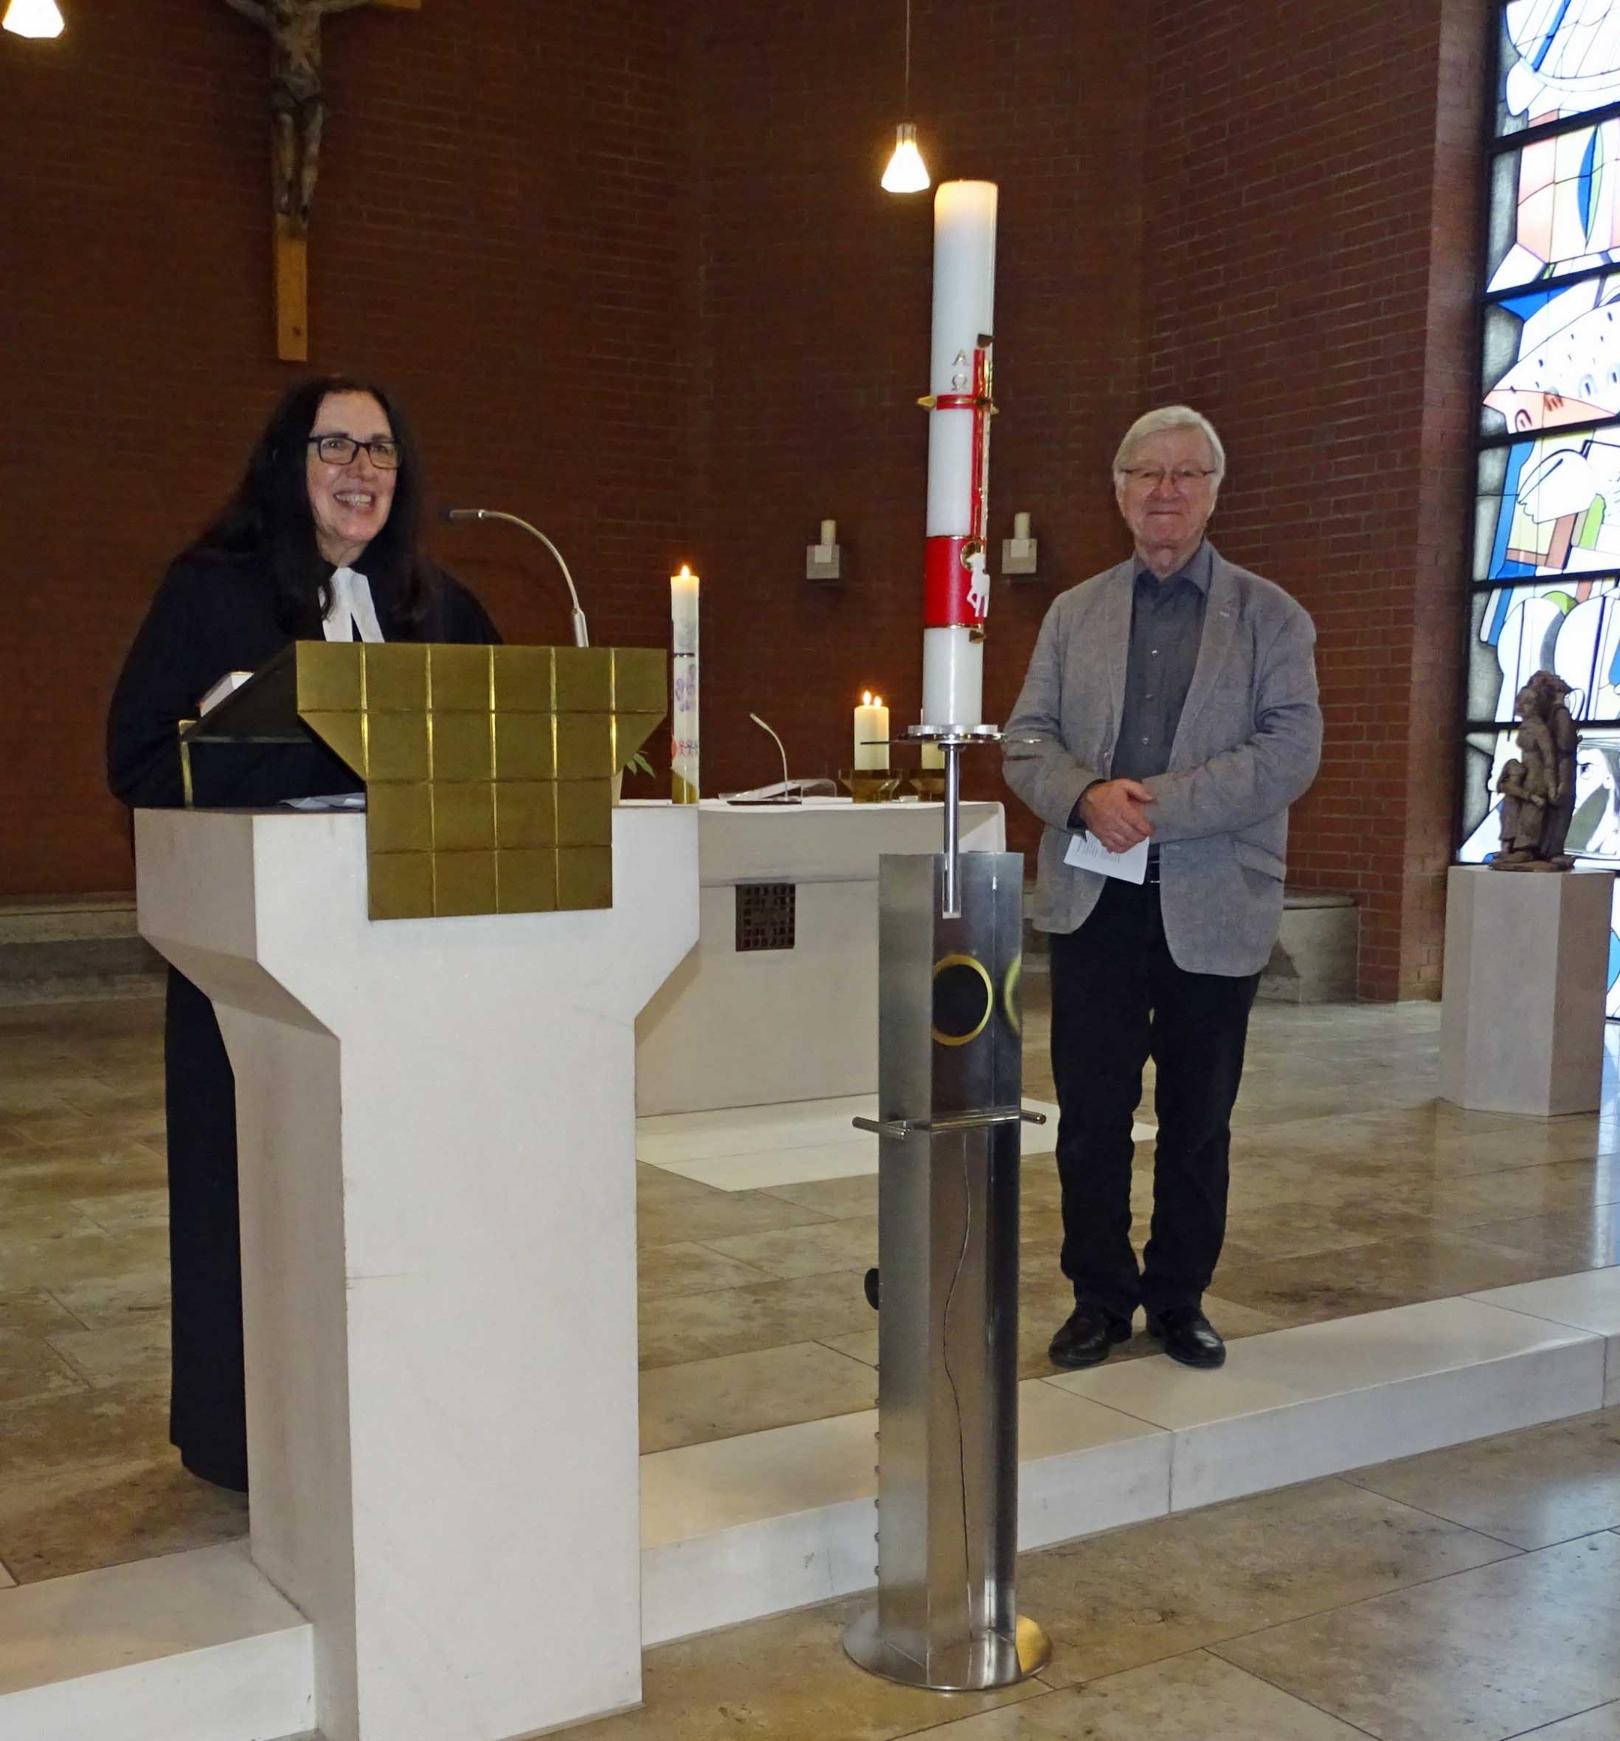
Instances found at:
x=950 y=599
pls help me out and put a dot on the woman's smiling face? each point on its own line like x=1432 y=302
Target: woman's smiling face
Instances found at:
x=350 y=503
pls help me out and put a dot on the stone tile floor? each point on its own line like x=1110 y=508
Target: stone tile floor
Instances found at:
x=1353 y=1189
x=1464 y=1595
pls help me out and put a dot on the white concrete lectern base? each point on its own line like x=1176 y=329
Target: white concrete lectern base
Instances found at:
x=1527 y=953
x=439 y=1273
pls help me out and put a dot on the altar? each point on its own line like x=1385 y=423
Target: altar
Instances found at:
x=778 y=1000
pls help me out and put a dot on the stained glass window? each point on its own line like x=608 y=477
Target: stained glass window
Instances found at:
x=1546 y=559
x=1559 y=59
x=1553 y=207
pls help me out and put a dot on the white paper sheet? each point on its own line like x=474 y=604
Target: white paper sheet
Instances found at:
x=1087 y=852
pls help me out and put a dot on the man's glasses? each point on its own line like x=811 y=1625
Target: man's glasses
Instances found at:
x=340 y=449
x=1182 y=476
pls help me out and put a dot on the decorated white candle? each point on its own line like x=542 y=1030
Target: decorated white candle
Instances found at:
x=957 y=588
x=871 y=722
x=683 y=610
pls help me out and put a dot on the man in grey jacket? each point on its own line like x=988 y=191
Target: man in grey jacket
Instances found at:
x=1169 y=715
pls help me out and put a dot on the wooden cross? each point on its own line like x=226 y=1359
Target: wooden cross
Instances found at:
x=297 y=119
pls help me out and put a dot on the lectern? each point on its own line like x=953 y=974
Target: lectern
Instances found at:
x=436 y=1128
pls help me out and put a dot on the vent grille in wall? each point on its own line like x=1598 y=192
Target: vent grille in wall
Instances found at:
x=765 y=914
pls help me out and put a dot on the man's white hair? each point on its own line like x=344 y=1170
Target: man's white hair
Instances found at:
x=1171 y=417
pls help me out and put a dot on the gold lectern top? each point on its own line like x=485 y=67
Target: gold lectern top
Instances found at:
x=488 y=770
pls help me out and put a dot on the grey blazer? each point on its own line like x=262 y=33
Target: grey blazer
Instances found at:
x=1248 y=745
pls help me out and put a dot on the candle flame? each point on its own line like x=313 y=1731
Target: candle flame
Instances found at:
x=686 y=573
x=877 y=700
x=866 y=698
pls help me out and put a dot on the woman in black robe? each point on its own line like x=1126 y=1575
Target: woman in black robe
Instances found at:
x=318 y=542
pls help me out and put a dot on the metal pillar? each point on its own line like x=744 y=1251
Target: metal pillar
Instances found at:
x=950 y=1077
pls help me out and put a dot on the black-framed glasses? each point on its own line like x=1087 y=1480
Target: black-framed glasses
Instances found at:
x=1182 y=476
x=340 y=449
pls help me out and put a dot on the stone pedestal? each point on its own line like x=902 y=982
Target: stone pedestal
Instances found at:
x=1526 y=967
x=437 y=1139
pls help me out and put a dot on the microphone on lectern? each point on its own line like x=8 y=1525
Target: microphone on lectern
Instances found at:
x=581 y=634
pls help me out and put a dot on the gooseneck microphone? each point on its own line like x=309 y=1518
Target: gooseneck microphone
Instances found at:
x=581 y=634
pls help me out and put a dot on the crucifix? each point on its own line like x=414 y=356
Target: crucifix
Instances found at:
x=298 y=116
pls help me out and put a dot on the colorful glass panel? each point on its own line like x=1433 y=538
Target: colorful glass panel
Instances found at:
x=1569 y=627
x=1559 y=59
x=1552 y=357
x=1549 y=506
x=1547 y=509
x=1554 y=208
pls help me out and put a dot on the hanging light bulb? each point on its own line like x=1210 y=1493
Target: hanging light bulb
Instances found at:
x=33 y=18
x=906 y=173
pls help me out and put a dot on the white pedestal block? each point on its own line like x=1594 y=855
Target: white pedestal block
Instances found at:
x=757 y=1027
x=438 y=1225
x=1527 y=953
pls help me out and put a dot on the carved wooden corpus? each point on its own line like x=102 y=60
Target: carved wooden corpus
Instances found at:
x=297 y=115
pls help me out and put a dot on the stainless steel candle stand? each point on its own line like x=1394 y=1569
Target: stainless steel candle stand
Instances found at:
x=949 y=1084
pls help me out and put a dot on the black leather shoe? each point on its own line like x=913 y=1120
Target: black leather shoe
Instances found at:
x=1188 y=1336
x=1087 y=1338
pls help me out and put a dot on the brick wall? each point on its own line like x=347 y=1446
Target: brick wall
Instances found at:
x=1312 y=202
x=629 y=266
x=501 y=232
x=816 y=293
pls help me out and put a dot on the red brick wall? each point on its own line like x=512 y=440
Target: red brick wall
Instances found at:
x=1312 y=195
x=628 y=265
x=817 y=288
x=501 y=232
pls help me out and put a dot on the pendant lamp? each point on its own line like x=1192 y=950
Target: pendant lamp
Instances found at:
x=33 y=18
x=906 y=173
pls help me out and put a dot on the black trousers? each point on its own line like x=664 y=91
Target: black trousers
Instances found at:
x=1117 y=1000
x=207 y=1413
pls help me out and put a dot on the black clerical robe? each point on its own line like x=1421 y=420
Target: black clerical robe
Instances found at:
x=213 y=615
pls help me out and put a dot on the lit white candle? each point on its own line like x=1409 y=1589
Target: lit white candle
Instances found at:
x=683 y=610
x=872 y=721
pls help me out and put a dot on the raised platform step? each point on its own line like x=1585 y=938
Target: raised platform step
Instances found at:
x=192 y=1647
x=768 y=1521
x=60 y=948
x=199 y=1647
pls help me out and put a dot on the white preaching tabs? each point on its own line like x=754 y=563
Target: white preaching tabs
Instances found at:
x=227 y=685
x=351 y=609
x=1087 y=852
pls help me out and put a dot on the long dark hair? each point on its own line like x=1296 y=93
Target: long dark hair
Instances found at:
x=268 y=517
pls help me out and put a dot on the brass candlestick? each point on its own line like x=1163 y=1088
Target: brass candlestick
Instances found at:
x=871 y=785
